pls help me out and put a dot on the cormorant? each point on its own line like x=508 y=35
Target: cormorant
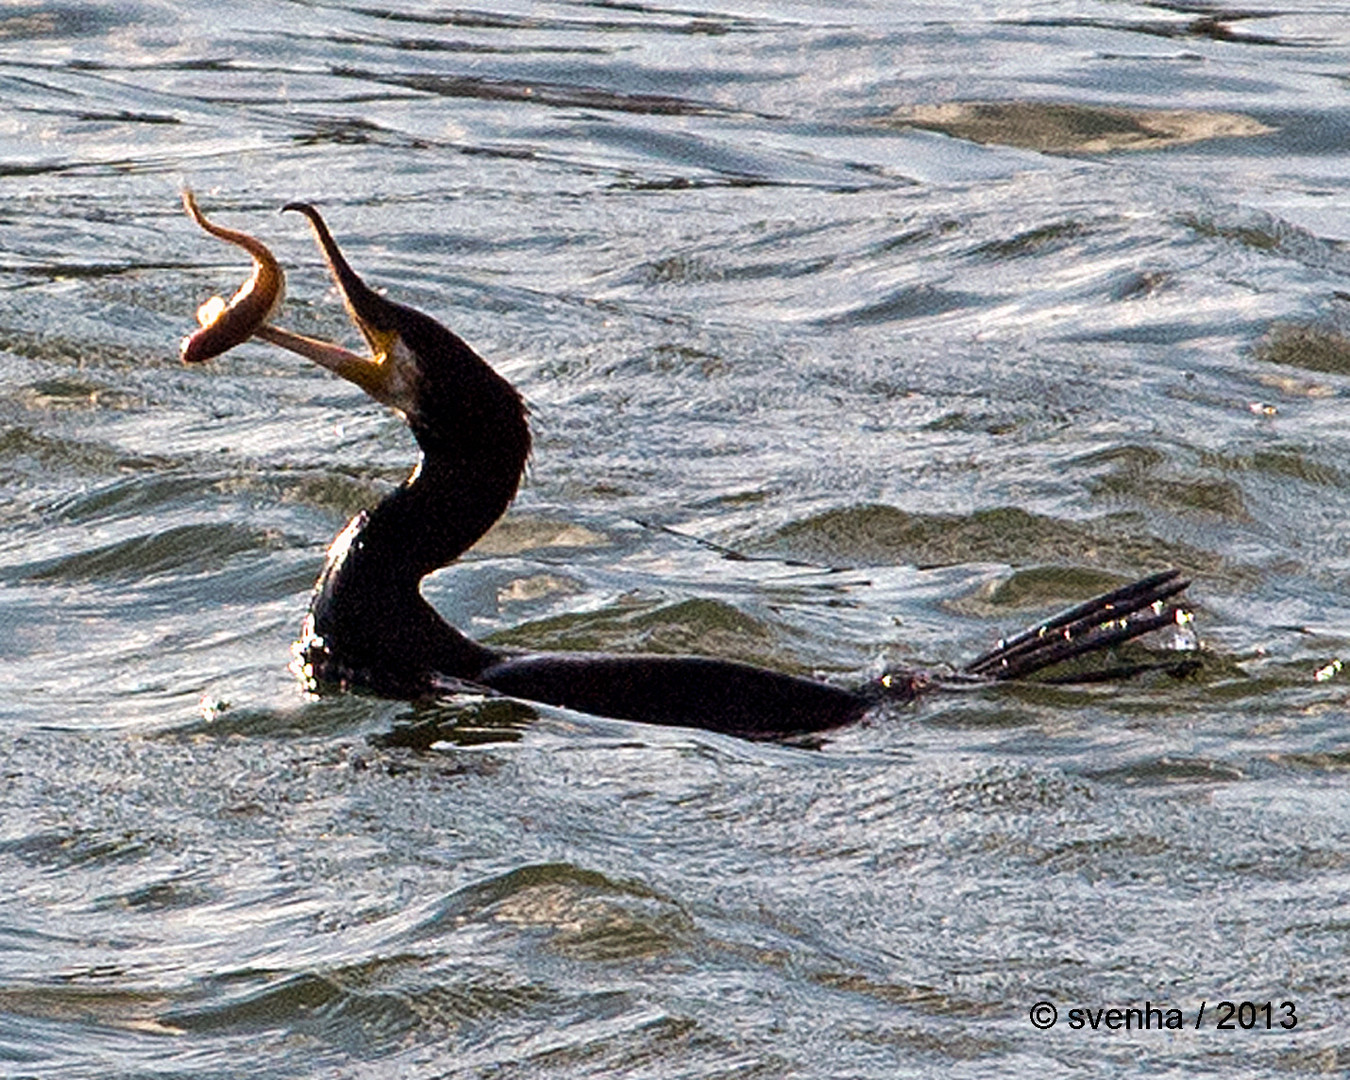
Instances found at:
x=369 y=626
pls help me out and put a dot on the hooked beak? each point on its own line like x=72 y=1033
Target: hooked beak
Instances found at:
x=368 y=309
x=384 y=374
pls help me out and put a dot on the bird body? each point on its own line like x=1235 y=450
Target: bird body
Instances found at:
x=369 y=625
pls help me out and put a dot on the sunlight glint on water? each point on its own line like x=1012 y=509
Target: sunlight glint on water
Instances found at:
x=872 y=293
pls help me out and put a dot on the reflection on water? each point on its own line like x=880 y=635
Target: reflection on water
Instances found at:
x=1077 y=129
x=850 y=339
x=1322 y=349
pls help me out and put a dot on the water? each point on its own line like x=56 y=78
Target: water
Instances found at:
x=937 y=378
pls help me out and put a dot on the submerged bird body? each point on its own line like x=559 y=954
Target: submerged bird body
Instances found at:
x=369 y=626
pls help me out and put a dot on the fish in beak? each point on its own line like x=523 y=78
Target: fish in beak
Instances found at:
x=225 y=325
x=390 y=374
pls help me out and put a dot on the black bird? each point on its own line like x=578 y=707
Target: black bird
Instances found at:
x=369 y=626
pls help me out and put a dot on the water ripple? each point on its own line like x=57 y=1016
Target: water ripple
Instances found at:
x=853 y=335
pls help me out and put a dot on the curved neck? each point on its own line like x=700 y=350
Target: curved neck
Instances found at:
x=368 y=615
x=435 y=516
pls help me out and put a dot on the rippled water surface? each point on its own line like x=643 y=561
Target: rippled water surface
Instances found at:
x=946 y=314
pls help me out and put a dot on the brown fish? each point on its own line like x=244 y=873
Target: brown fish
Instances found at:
x=226 y=325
